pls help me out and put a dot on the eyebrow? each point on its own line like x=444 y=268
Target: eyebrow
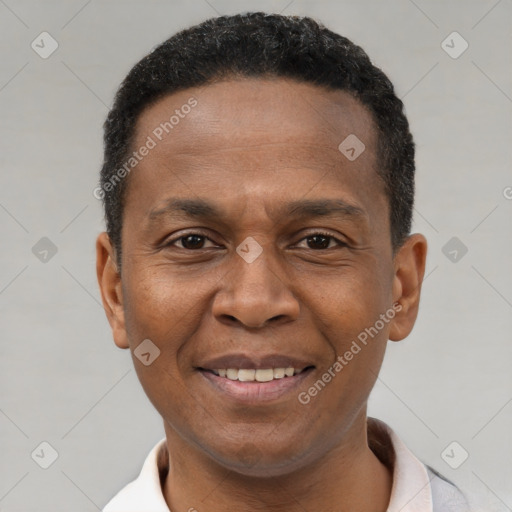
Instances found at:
x=304 y=208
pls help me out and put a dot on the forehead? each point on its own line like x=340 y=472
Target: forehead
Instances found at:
x=233 y=113
x=259 y=140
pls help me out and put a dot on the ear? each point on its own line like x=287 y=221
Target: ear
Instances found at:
x=409 y=263
x=109 y=280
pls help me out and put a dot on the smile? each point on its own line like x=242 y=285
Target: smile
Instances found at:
x=256 y=386
x=256 y=375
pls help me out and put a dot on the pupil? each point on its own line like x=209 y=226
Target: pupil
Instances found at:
x=197 y=241
x=192 y=241
x=321 y=240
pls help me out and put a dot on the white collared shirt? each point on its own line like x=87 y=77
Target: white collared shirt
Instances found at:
x=416 y=487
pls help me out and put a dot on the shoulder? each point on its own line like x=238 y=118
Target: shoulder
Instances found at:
x=145 y=492
x=446 y=496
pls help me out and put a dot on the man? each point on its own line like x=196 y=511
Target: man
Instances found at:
x=258 y=185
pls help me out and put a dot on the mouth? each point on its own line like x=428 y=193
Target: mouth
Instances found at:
x=252 y=380
x=257 y=375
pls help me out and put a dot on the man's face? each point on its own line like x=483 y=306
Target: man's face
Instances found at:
x=255 y=166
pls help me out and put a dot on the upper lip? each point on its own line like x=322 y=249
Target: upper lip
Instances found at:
x=256 y=362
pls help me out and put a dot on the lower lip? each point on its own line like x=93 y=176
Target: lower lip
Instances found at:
x=256 y=392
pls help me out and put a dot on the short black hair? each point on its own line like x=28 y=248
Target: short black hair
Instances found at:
x=252 y=45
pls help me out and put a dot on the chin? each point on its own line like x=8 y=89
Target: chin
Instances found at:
x=261 y=462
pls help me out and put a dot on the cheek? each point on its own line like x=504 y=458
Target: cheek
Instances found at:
x=156 y=310
x=152 y=312
x=354 y=316
x=156 y=307
x=346 y=304
x=161 y=308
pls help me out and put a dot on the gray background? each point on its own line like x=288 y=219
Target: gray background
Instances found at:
x=62 y=379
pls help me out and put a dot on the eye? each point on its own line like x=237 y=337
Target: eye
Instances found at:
x=196 y=241
x=190 y=241
x=320 y=240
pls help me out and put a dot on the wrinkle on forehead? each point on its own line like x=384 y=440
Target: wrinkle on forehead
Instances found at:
x=233 y=113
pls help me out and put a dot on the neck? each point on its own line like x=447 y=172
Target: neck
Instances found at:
x=347 y=478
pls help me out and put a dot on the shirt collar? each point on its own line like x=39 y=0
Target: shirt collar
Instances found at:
x=411 y=489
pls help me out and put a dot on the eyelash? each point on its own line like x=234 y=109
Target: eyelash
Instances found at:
x=325 y=234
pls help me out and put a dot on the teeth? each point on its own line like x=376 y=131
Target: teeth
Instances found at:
x=232 y=374
x=246 y=375
x=279 y=373
x=265 y=375
x=251 y=375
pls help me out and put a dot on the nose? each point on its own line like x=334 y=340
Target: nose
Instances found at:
x=255 y=294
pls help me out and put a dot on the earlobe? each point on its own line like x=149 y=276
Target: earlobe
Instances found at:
x=109 y=281
x=409 y=265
